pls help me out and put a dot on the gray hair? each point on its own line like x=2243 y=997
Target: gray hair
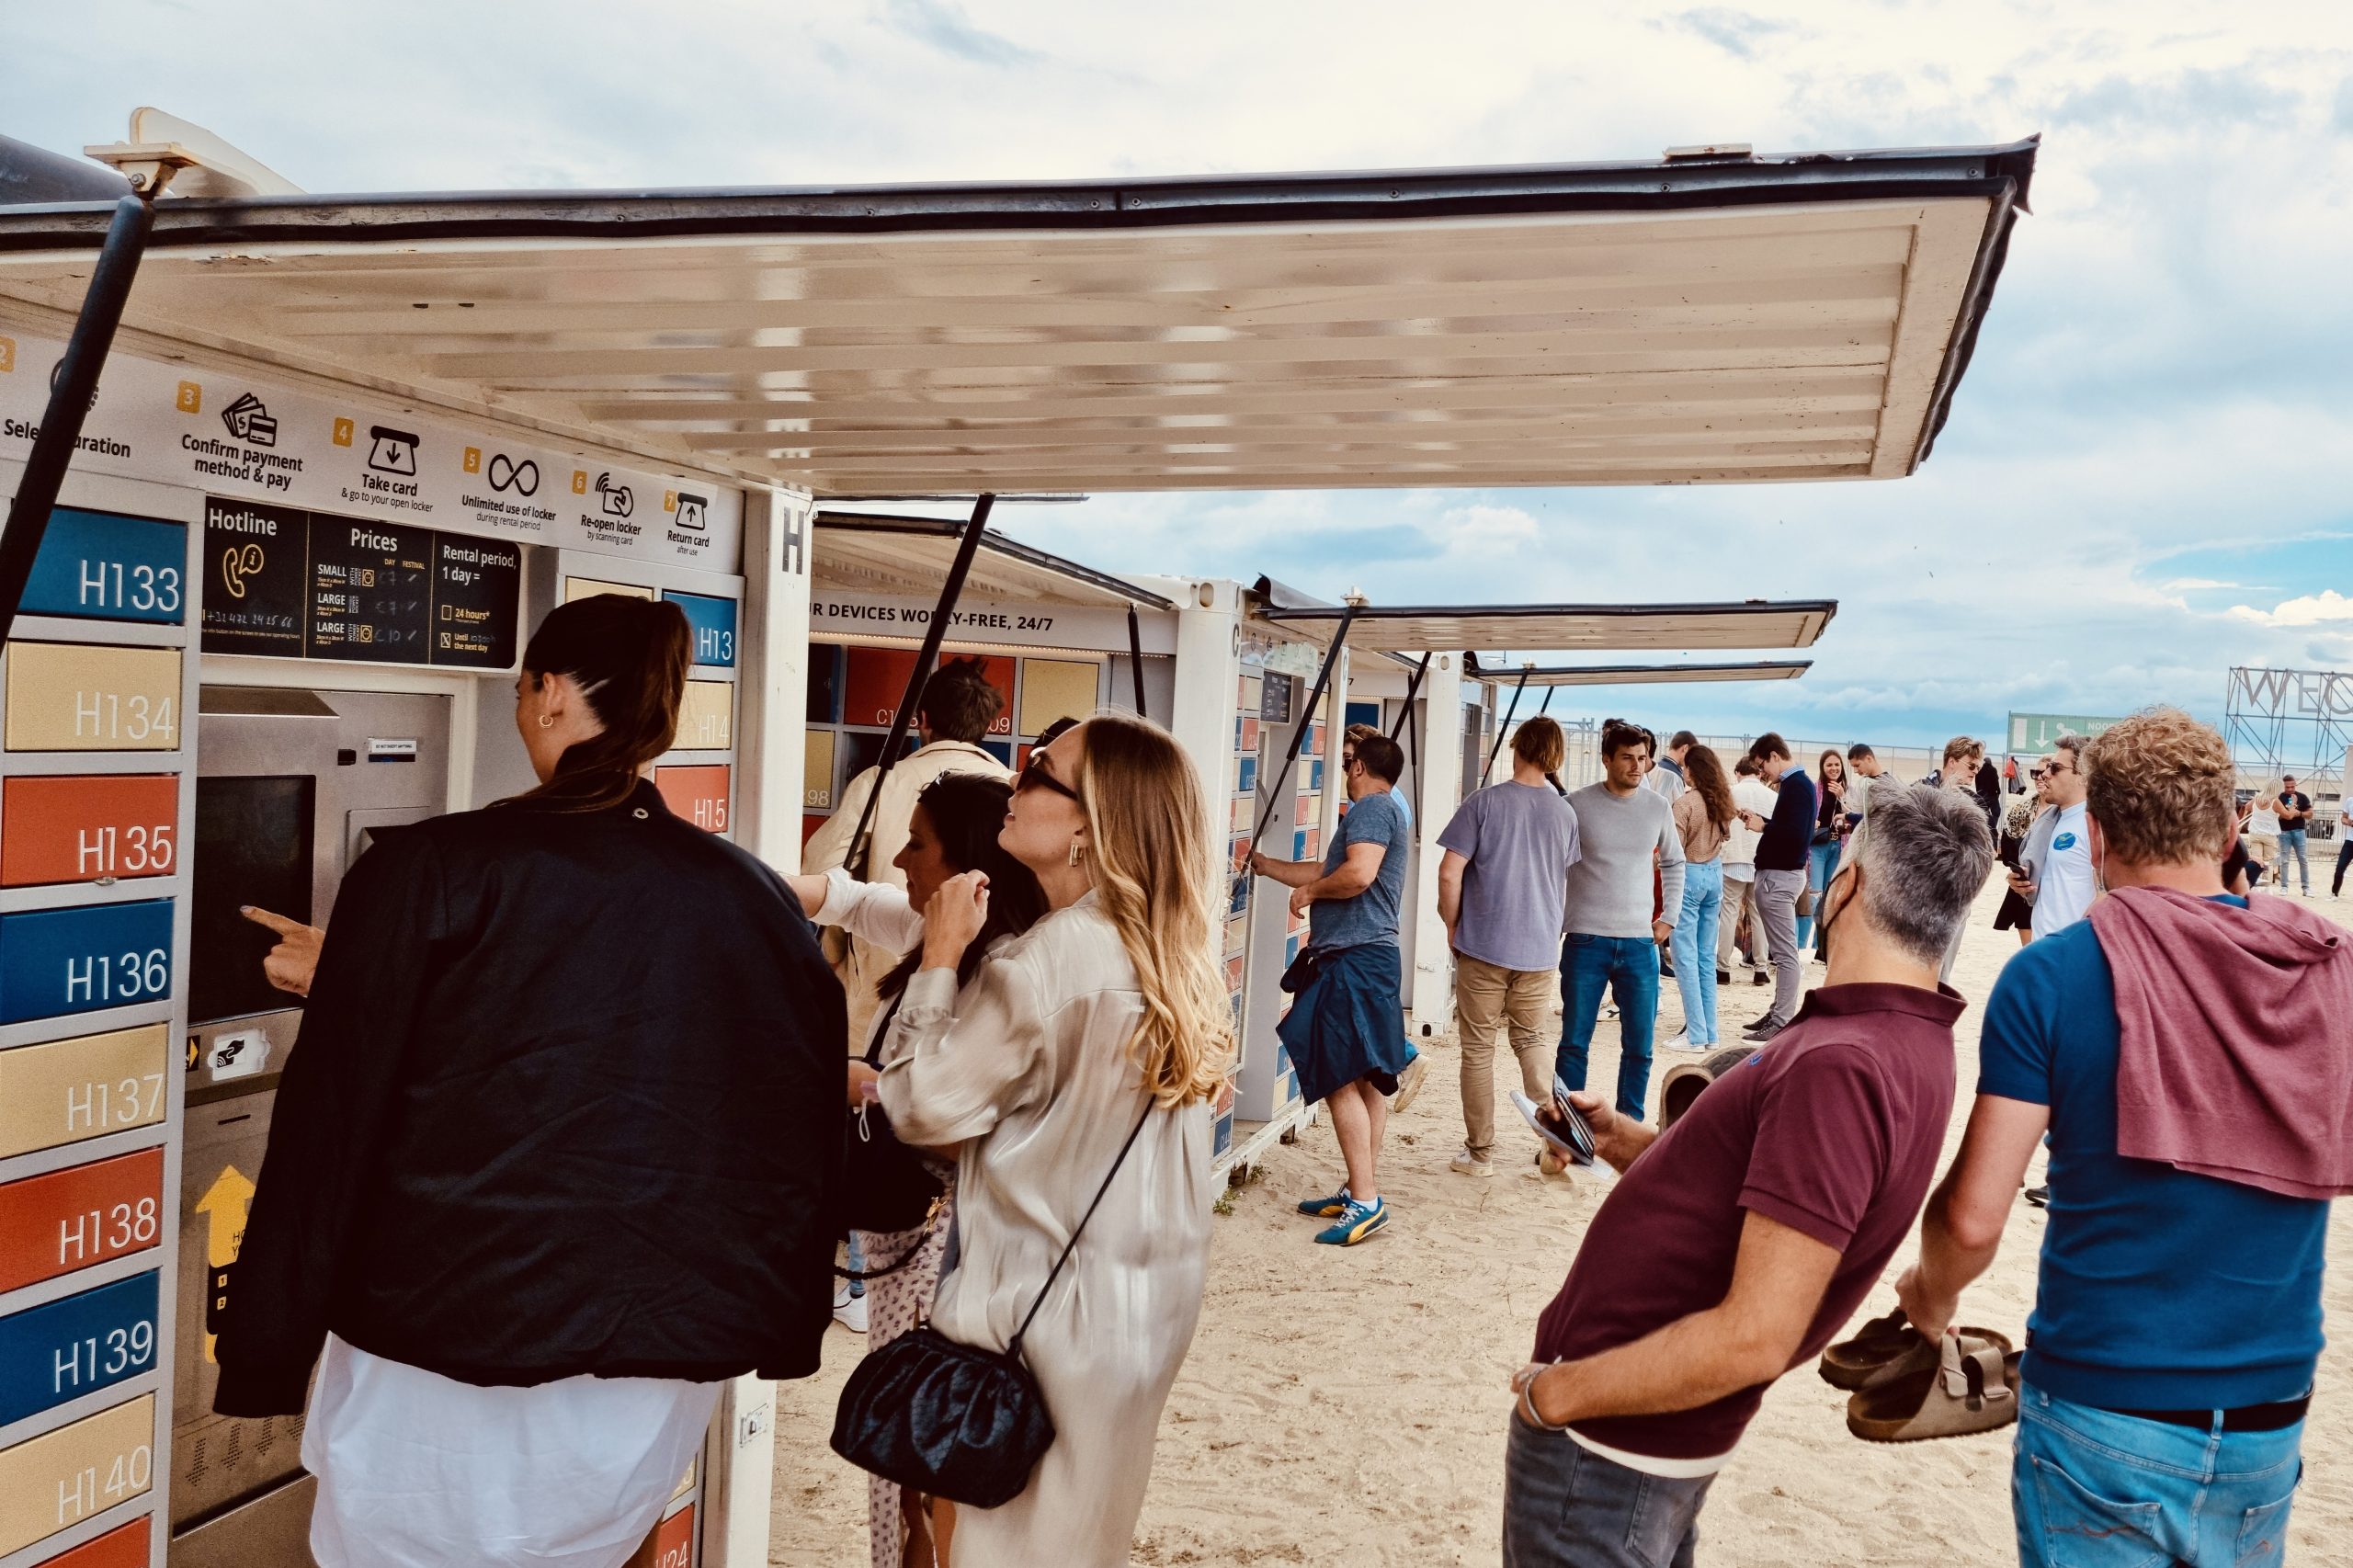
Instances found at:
x=1925 y=855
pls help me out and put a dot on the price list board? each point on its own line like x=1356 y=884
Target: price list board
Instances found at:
x=308 y=585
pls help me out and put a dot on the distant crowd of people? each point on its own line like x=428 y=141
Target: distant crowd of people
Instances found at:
x=577 y=1119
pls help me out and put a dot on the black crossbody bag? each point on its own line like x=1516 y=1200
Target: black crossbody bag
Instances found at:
x=886 y=1186
x=951 y=1420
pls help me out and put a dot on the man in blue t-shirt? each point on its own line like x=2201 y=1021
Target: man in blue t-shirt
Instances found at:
x=2177 y=1323
x=1346 y=1029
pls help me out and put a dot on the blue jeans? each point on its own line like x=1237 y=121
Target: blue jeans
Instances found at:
x=1565 y=1506
x=2093 y=1489
x=1628 y=967
x=2292 y=842
x=1821 y=865
x=1695 y=947
x=855 y=1263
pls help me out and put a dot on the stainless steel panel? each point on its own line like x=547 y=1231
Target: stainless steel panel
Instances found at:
x=218 y=1459
x=271 y=1531
x=266 y=731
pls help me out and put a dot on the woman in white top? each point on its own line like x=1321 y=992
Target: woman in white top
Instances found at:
x=1036 y=1071
x=952 y=827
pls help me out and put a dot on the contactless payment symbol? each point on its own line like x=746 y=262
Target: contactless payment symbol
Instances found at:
x=619 y=500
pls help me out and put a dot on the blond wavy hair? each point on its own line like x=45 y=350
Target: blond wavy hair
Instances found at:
x=2163 y=787
x=1147 y=828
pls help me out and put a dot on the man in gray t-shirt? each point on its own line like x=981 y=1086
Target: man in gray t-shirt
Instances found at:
x=1346 y=1029
x=1614 y=907
x=1508 y=851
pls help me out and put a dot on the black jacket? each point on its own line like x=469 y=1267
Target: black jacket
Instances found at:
x=568 y=1099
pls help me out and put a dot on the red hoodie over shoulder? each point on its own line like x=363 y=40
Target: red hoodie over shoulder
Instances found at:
x=2235 y=1051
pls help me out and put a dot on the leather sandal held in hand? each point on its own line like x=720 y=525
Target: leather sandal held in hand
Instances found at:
x=1964 y=1384
x=1854 y=1363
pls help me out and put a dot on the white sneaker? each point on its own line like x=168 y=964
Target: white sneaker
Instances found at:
x=1682 y=1041
x=849 y=1311
x=1470 y=1163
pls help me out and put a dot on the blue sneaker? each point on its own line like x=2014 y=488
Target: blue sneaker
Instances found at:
x=1325 y=1208
x=1356 y=1223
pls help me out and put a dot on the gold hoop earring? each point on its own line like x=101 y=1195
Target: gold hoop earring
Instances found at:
x=1077 y=852
x=546 y=720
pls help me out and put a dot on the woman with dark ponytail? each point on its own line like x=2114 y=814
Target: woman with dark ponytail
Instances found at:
x=556 y=1154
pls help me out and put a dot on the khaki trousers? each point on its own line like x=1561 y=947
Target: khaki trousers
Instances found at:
x=1488 y=999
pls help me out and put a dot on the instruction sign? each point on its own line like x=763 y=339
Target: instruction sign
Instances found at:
x=288 y=584
x=227 y=434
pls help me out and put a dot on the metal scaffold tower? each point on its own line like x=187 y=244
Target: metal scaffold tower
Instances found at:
x=2289 y=721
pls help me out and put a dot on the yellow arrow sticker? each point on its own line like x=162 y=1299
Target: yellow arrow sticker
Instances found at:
x=224 y=1203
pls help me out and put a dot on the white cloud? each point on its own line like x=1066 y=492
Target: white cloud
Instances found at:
x=2324 y=607
x=2163 y=370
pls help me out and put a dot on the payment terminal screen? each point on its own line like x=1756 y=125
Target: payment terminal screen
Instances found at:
x=252 y=845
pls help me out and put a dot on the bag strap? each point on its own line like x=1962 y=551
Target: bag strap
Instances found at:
x=873 y=1057
x=1014 y=1349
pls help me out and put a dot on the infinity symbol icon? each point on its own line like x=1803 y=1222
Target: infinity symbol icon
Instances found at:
x=505 y=473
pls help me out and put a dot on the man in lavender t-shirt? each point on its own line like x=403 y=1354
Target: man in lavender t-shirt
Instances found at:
x=1500 y=890
x=1741 y=1240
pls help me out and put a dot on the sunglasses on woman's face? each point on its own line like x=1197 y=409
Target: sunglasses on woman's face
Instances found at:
x=1033 y=776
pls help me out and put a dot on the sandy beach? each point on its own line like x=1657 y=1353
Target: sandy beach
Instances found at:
x=1349 y=1405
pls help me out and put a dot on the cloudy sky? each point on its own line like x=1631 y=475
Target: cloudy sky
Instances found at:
x=2145 y=479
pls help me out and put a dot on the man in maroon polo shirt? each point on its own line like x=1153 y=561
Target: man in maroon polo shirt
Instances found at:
x=1738 y=1242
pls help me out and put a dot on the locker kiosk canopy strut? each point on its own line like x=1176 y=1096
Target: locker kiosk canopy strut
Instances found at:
x=1692 y=319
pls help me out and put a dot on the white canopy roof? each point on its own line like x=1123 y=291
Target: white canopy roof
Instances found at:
x=1689 y=321
x=1639 y=675
x=1755 y=623
x=874 y=553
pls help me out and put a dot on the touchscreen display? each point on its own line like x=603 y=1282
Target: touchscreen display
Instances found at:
x=252 y=845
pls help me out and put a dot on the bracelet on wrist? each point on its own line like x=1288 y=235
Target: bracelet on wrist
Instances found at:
x=1528 y=1409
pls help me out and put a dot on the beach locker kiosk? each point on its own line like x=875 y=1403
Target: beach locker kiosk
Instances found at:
x=608 y=388
x=213 y=700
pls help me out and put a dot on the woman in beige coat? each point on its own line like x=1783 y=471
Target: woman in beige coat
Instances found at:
x=1037 y=1074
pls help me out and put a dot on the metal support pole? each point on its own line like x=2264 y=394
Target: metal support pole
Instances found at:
x=949 y=592
x=1299 y=732
x=1505 y=728
x=1413 y=689
x=71 y=392
x=1547 y=706
x=1135 y=660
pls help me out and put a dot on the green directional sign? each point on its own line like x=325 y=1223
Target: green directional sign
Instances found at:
x=2032 y=734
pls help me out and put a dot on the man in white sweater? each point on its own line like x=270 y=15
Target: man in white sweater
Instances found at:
x=1613 y=920
x=1752 y=801
x=957 y=710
